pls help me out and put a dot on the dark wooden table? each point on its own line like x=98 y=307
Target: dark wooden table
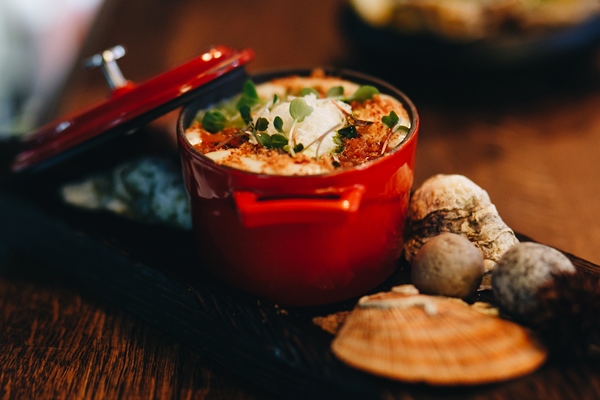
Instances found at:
x=530 y=138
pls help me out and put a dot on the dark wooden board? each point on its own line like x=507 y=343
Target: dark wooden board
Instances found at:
x=156 y=274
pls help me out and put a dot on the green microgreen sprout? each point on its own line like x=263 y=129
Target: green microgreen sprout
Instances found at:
x=308 y=90
x=226 y=113
x=365 y=92
x=264 y=139
x=234 y=113
x=249 y=95
x=298 y=110
x=391 y=121
x=296 y=149
x=278 y=141
x=348 y=132
x=278 y=124
x=274 y=101
x=246 y=114
x=214 y=121
x=262 y=124
x=258 y=131
x=335 y=91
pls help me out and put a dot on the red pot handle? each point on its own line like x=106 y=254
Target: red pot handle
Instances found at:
x=332 y=205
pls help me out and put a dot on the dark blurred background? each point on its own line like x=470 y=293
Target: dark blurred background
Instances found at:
x=43 y=43
x=39 y=43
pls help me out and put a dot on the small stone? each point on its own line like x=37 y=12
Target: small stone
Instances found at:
x=522 y=271
x=448 y=265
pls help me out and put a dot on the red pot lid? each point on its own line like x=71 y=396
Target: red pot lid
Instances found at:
x=130 y=106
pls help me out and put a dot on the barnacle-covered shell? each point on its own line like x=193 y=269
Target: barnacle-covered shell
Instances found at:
x=453 y=203
x=436 y=340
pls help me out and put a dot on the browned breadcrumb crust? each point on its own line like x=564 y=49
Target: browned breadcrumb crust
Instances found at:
x=366 y=147
x=317 y=80
x=213 y=141
x=275 y=160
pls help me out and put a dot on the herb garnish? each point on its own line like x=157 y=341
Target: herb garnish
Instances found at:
x=214 y=121
x=348 y=132
x=227 y=114
x=245 y=112
x=274 y=101
x=308 y=90
x=262 y=124
x=335 y=91
x=278 y=124
x=391 y=120
x=238 y=113
x=275 y=141
x=298 y=110
x=249 y=95
x=365 y=92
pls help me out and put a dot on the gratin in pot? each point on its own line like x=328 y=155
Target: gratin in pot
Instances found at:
x=296 y=240
x=300 y=240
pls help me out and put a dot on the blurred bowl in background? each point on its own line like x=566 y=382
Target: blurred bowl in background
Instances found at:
x=493 y=35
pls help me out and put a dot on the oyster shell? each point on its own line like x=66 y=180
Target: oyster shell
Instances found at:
x=453 y=203
x=436 y=340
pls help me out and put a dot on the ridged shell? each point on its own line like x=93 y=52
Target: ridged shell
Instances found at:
x=439 y=341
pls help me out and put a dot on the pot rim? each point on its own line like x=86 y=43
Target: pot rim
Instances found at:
x=344 y=73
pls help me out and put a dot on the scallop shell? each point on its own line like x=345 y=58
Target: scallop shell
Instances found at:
x=454 y=203
x=419 y=338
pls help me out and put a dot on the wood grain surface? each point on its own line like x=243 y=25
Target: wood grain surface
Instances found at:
x=59 y=342
x=530 y=138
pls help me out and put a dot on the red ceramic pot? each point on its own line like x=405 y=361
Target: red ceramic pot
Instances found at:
x=300 y=240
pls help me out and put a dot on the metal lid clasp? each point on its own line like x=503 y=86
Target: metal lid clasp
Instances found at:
x=107 y=62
